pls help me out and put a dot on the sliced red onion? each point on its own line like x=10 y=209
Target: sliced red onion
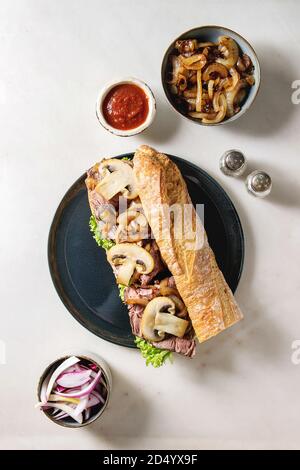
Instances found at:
x=69 y=390
x=58 y=388
x=62 y=415
x=71 y=369
x=85 y=391
x=102 y=381
x=87 y=413
x=55 y=397
x=43 y=392
x=82 y=405
x=98 y=396
x=66 y=409
x=74 y=379
x=63 y=366
x=92 y=401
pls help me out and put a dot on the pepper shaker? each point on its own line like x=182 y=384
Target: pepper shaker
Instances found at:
x=233 y=163
x=259 y=183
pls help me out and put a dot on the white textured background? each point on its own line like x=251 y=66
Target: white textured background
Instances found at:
x=242 y=390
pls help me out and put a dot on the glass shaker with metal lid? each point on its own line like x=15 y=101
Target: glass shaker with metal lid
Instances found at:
x=233 y=163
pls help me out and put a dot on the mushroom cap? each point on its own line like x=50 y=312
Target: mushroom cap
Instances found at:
x=155 y=306
x=133 y=225
x=117 y=176
x=129 y=257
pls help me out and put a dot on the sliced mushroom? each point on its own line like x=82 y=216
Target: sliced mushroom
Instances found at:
x=210 y=89
x=128 y=258
x=154 y=307
x=117 y=176
x=186 y=45
x=107 y=215
x=133 y=225
x=230 y=51
x=170 y=324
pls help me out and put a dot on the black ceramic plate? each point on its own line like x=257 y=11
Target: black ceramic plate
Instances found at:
x=84 y=279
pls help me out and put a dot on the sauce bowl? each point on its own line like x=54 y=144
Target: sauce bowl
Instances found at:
x=151 y=105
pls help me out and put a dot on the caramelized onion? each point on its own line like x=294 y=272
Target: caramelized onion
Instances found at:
x=216 y=101
x=250 y=79
x=240 y=65
x=221 y=113
x=199 y=91
x=210 y=89
x=181 y=310
x=195 y=62
x=232 y=95
x=186 y=45
x=235 y=76
x=228 y=47
x=202 y=115
x=215 y=68
x=192 y=103
x=181 y=83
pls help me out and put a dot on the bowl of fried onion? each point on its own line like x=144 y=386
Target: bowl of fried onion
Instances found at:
x=210 y=75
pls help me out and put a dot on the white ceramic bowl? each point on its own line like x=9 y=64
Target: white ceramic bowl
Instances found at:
x=93 y=358
x=212 y=33
x=151 y=103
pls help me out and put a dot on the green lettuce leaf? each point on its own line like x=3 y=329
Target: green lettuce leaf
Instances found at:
x=154 y=356
x=121 y=293
x=103 y=242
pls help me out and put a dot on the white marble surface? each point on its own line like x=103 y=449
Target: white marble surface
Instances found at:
x=242 y=389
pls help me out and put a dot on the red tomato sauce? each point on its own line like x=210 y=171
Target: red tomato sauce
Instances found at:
x=125 y=107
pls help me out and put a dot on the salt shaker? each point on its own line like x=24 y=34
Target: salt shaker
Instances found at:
x=233 y=163
x=259 y=183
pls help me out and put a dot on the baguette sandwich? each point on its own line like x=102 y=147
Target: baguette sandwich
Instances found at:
x=158 y=249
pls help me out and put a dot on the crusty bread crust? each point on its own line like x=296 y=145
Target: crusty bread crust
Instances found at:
x=201 y=284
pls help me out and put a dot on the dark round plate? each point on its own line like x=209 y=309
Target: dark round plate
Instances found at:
x=84 y=279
